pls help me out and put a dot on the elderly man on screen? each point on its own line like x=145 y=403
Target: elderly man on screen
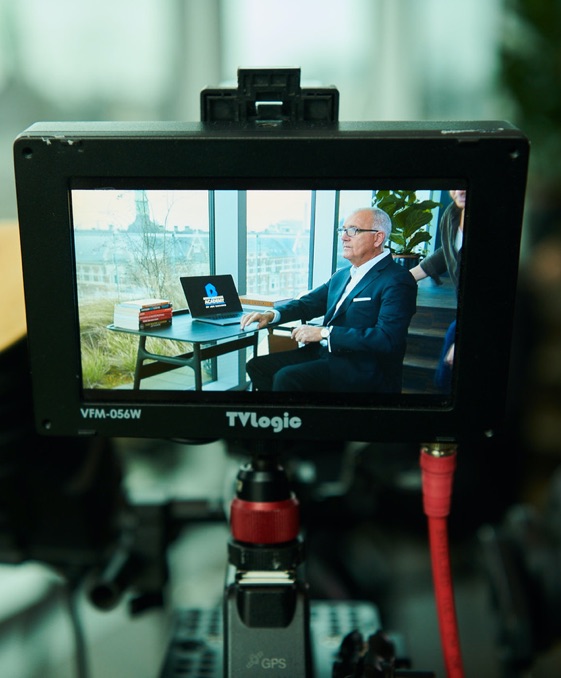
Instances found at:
x=366 y=314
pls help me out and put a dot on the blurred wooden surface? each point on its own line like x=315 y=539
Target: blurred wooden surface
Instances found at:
x=12 y=308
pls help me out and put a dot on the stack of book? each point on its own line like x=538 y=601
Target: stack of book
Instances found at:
x=142 y=314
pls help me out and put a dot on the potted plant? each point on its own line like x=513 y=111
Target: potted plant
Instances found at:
x=409 y=217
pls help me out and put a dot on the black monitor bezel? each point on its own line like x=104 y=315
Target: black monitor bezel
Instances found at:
x=489 y=159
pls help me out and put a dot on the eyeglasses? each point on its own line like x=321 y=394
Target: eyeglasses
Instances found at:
x=351 y=231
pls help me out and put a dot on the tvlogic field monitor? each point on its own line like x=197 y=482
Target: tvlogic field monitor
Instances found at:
x=113 y=216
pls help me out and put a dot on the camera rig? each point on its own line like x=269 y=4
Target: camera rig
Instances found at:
x=268 y=625
x=249 y=138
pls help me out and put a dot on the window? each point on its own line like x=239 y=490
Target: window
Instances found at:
x=278 y=242
x=138 y=243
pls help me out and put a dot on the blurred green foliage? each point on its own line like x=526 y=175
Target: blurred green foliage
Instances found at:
x=530 y=63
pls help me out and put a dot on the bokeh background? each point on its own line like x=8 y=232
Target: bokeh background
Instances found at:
x=391 y=60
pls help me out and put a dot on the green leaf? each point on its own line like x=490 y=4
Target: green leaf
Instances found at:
x=398 y=239
x=414 y=221
x=418 y=238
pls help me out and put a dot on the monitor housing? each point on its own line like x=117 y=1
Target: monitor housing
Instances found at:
x=63 y=170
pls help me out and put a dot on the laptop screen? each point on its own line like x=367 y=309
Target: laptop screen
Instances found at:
x=208 y=295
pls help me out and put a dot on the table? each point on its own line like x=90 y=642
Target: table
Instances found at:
x=203 y=336
x=12 y=303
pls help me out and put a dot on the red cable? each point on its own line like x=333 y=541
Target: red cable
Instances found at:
x=437 y=470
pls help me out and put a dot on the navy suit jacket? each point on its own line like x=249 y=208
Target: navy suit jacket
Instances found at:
x=368 y=339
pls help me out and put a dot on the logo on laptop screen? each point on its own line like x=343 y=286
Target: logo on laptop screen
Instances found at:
x=212 y=298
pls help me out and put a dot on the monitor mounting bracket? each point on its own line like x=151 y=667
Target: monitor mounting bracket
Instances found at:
x=270 y=95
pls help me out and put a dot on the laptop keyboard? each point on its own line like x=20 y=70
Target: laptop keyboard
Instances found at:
x=224 y=316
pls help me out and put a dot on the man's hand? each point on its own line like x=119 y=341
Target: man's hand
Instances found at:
x=262 y=319
x=307 y=334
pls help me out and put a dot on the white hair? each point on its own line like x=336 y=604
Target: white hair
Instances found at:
x=380 y=220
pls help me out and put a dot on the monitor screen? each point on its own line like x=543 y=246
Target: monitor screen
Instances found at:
x=134 y=240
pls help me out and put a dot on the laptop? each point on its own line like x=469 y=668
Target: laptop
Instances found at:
x=213 y=299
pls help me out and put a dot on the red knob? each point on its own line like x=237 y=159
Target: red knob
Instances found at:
x=273 y=522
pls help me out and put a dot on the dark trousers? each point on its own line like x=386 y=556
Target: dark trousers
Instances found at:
x=443 y=375
x=302 y=369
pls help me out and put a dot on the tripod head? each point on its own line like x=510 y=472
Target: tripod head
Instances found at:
x=264 y=519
